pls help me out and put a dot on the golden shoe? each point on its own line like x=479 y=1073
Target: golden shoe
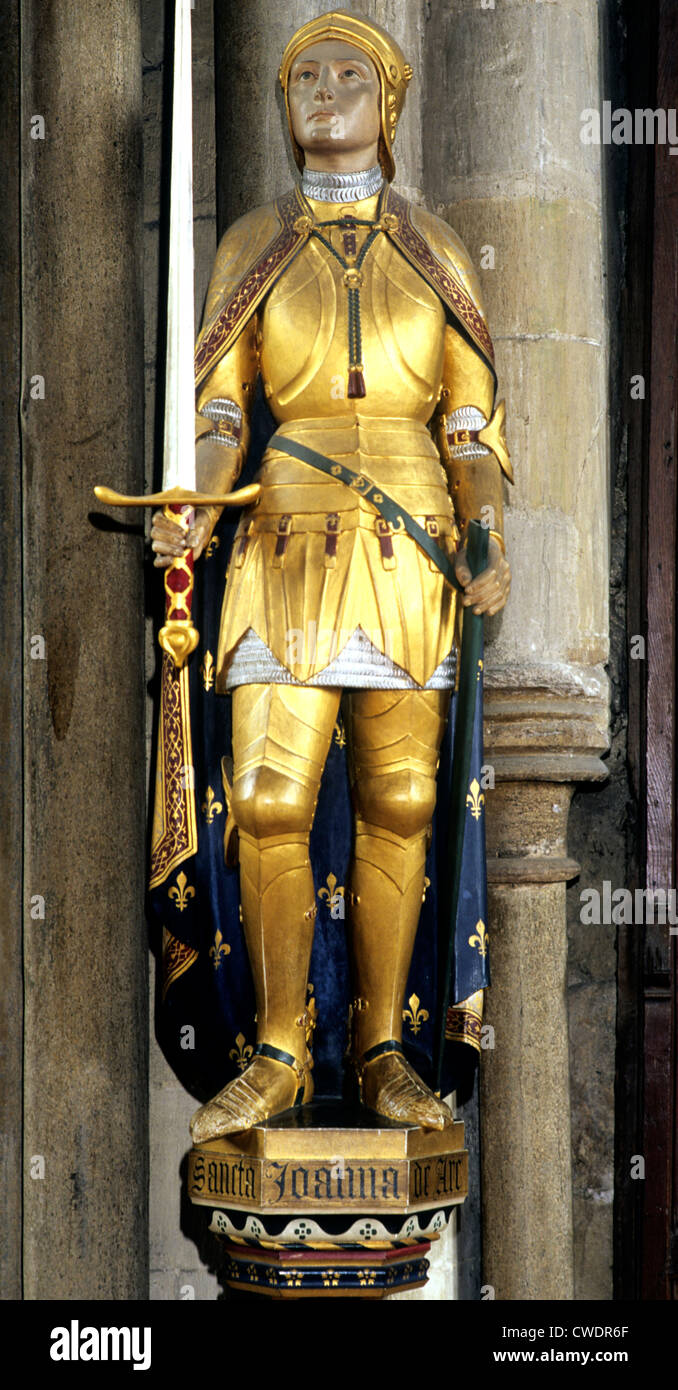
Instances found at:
x=389 y=1085
x=274 y=1081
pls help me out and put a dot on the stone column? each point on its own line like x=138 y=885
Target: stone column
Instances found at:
x=11 y=679
x=85 y=949
x=504 y=92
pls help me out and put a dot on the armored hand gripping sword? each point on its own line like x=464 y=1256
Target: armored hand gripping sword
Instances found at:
x=179 y=497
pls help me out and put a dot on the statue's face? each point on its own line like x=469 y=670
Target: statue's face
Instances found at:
x=333 y=95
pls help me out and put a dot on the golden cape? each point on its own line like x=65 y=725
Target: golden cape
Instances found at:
x=257 y=249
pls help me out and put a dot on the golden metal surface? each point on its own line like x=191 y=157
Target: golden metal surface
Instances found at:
x=304 y=325
x=179 y=639
x=242 y=498
x=493 y=436
x=406 y=351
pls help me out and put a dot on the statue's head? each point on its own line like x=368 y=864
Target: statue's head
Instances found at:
x=344 y=80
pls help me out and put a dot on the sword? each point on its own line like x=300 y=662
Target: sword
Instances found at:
x=179 y=498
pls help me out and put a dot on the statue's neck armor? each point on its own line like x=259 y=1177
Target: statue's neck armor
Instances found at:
x=341 y=188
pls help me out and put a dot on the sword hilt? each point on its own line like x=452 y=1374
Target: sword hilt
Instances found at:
x=178 y=637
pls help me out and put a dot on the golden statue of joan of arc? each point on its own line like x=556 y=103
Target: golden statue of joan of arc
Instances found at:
x=362 y=315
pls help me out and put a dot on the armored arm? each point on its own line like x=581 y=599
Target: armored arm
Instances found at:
x=470 y=436
x=222 y=429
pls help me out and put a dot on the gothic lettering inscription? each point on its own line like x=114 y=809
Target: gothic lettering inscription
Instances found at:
x=443 y=1178
x=309 y=1183
x=289 y=1185
x=223 y=1177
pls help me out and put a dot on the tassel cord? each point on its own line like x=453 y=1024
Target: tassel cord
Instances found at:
x=355 y=365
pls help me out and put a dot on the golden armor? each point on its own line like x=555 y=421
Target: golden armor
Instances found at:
x=364 y=358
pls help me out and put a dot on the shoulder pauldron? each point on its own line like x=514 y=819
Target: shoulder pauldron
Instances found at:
x=417 y=249
x=293 y=231
x=254 y=285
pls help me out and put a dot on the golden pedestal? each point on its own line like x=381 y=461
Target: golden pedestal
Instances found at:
x=329 y=1200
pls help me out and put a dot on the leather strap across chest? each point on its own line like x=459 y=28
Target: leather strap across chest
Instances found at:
x=391 y=511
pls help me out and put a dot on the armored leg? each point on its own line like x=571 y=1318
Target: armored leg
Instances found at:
x=280 y=742
x=395 y=739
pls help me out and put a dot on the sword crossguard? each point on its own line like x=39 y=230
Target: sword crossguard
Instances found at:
x=178 y=637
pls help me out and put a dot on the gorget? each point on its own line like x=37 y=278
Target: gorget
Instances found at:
x=341 y=188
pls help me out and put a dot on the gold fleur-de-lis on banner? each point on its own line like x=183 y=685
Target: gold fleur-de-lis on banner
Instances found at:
x=366 y=1276
x=475 y=799
x=334 y=895
x=182 y=892
x=210 y=806
x=219 y=949
x=340 y=734
x=414 y=1015
x=211 y=547
x=480 y=938
x=479 y=672
x=427 y=884
x=207 y=670
x=241 y=1054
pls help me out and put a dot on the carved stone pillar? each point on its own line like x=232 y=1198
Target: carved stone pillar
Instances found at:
x=85 y=946
x=525 y=1111
x=505 y=88
x=11 y=675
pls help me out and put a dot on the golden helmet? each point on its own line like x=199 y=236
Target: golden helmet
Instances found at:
x=387 y=56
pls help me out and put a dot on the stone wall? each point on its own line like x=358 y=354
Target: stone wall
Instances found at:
x=81 y=423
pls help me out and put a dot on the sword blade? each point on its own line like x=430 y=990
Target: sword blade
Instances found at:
x=179 y=431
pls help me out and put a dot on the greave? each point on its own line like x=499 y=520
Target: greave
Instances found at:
x=278 y=917
x=387 y=886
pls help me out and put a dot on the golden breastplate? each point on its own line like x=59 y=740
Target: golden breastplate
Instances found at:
x=303 y=337
x=313 y=553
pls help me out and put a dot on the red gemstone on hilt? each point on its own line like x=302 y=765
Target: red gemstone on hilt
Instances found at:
x=179 y=575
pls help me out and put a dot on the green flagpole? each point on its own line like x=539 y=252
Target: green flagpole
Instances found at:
x=471 y=647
